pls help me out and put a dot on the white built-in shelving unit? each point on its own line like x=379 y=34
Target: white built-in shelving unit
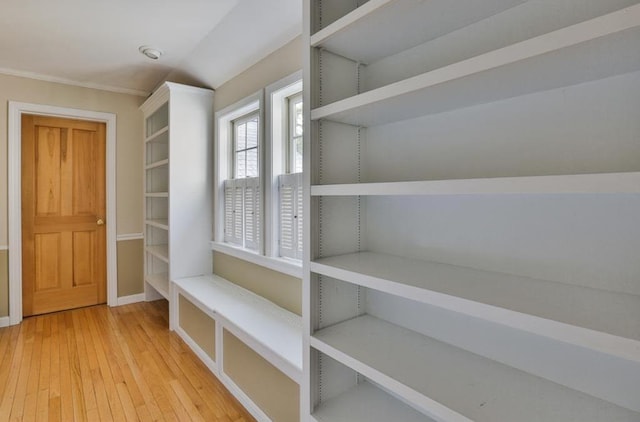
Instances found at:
x=473 y=210
x=178 y=136
x=271 y=331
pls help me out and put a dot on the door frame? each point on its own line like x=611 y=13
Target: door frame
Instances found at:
x=16 y=110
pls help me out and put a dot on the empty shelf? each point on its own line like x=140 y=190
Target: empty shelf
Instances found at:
x=159 y=251
x=599 y=47
x=160 y=282
x=425 y=370
x=597 y=319
x=561 y=184
x=366 y=403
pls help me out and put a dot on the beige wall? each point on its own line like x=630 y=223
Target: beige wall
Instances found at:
x=198 y=325
x=281 y=289
x=272 y=68
x=130 y=267
x=4 y=283
x=276 y=394
x=129 y=146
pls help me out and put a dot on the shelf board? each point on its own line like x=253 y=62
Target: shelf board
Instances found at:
x=161 y=223
x=433 y=375
x=597 y=48
x=366 y=403
x=160 y=282
x=563 y=312
x=561 y=184
x=156 y=135
x=156 y=194
x=273 y=332
x=357 y=35
x=159 y=251
x=157 y=164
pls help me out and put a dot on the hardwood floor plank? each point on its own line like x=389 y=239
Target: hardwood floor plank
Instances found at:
x=107 y=364
x=20 y=392
x=66 y=392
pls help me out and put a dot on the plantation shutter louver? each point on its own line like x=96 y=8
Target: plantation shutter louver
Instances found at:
x=291 y=215
x=252 y=213
x=233 y=205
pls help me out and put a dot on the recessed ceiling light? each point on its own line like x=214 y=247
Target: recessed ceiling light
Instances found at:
x=151 y=52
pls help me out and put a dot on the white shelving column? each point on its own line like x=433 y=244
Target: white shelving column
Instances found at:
x=473 y=211
x=178 y=136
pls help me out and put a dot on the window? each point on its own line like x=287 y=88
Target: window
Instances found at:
x=238 y=152
x=286 y=194
x=259 y=179
x=290 y=184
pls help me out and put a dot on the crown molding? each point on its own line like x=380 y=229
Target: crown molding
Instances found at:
x=55 y=79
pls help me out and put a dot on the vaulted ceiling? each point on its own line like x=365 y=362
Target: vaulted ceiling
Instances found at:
x=95 y=42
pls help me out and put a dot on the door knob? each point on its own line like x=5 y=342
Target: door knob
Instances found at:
x=100 y=222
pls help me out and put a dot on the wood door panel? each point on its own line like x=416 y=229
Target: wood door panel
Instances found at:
x=83 y=257
x=84 y=172
x=47 y=152
x=63 y=197
x=48 y=252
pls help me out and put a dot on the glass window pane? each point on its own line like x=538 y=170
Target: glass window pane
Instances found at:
x=241 y=165
x=297 y=154
x=252 y=162
x=298 y=119
x=241 y=131
x=252 y=133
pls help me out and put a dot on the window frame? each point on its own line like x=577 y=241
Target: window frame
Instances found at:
x=272 y=156
x=276 y=137
x=291 y=136
x=224 y=157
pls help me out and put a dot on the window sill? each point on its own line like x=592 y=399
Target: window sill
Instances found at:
x=282 y=265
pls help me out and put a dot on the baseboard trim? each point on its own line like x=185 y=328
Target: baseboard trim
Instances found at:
x=127 y=300
x=5 y=321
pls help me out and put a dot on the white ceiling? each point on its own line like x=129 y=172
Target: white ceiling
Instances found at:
x=95 y=42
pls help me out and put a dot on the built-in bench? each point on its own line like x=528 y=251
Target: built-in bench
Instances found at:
x=272 y=332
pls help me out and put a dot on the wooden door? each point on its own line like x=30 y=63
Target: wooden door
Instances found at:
x=63 y=214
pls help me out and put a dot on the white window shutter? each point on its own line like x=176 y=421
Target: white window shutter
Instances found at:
x=291 y=215
x=299 y=213
x=252 y=213
x=238 y=223
x=228 y=210
x=233 y=206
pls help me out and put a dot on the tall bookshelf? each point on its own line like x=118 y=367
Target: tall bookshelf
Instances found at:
x=474 y=210
x=178 y=137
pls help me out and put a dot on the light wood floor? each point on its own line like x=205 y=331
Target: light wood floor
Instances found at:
x=107 y=364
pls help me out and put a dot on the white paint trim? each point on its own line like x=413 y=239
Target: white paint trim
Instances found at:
x=4 y=247
x=129 y=236
x=65 y=81
x=281 y=265
x=127 y=300
x=16 y=109
x=4 y=322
